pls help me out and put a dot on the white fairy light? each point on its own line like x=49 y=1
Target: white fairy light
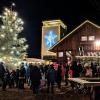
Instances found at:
x=5 y=13
x=22 y=41
x=2 y=35
x=19 y=62
x=13 y=4
x=4 y=57
x=3 y=17
x=3 y=48
x=12 y=52
x=16 y=26
x=16 y=35
x=1 y=59
x=11 y=30
x=16 y=64
x=15 y=14
x=15 y=38
x=14 y=17
x=19 y=20
x=11 y=58
x=14 y=48
x=26 y=46
x=17 y=52
x=3 y=27
x=22 y=22
x=6 y=9
x=18 y=29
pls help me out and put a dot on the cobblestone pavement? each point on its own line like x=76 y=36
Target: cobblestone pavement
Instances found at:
x=64 y=94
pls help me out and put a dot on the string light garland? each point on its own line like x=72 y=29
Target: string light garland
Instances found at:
x=12 y=47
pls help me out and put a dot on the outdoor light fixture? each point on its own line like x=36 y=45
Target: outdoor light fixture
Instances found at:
x=97 y=42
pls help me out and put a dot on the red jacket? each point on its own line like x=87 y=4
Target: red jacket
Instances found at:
x=70 y=73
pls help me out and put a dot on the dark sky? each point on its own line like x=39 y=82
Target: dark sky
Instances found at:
x=33 y=12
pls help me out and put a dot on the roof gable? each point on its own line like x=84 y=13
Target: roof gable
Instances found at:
x=87 y=21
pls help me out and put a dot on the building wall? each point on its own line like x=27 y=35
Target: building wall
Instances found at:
x=45 y=38
x=74 y=42
x=52 y=32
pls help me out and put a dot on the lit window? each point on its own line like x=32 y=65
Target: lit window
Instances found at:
x=84 y=38
x=91 y=38
x=60 y=54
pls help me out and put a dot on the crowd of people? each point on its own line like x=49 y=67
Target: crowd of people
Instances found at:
x=37 y=76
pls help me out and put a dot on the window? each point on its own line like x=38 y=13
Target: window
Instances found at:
x=84 y=38
x=91 y=38
x=60 y=54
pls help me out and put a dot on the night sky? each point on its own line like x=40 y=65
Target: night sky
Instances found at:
x=33 y=12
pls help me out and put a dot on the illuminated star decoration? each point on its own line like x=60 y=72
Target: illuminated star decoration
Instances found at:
x=50 y=39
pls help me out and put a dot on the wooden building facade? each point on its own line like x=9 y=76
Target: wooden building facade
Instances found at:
x=83 y=41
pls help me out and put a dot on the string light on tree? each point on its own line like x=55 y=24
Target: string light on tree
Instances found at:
x=3 y=48
x=13 y=48
x=3 y=27
x=12 y=52
x=11 y=45
x=13 y=4
x=2 y=35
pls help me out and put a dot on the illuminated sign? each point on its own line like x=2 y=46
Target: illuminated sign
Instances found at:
x=50 y=38
x=60 y=54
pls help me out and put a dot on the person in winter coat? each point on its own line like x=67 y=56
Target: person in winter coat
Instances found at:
x=2 y=70
x=21 y=77
x=2 y=73
x=51 y=77
x=59 y=76
x=12 y=76
x=70 y=72
x=66 y=75
x=35 y=77
x=21 y=80
x=17 y=77
x=75 y=69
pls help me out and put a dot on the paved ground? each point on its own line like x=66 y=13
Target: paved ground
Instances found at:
x=65 y=94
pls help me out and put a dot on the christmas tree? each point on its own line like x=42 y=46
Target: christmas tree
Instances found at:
x=12 y=47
